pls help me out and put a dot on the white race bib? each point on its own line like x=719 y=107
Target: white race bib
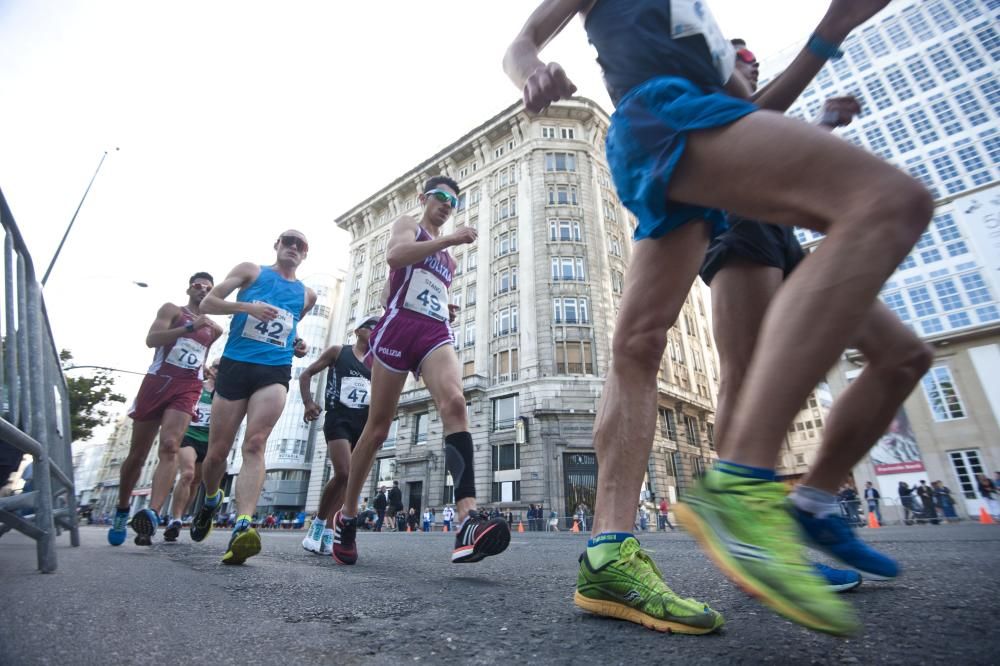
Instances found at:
x=187 y=354
x=693 y=17
x=355 y=392
x=204 y=415
x=274 y=332
x=427 y=295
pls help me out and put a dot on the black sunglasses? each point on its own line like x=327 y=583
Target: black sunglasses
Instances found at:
x=296 y=242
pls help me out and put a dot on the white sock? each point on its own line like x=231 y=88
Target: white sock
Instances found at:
x=815 y=501
x=327 y=530
x=318 y=526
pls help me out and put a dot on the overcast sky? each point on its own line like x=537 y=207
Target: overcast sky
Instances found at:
x=236 y=120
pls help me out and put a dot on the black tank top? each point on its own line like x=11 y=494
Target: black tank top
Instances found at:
x=633 y=43
x=348 y=384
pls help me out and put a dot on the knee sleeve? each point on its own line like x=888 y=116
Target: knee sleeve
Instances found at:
x=458 y=459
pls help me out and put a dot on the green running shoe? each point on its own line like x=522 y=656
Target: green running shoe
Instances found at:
x=745 y=527
x=632 y=588
x=243 y=545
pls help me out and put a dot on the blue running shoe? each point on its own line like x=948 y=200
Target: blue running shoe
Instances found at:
x=838 y=580
x=119 y=528
x=145 y=523
x=833 y=535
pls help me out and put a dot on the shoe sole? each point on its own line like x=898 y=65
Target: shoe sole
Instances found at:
x=619 y=611
x=693 y=523
x=142 y=540
x=143 y=526
x=123 y=534
x=243 y=548
x=845 y=587
x=495 y=539
x=316 y=551
x=171 y=534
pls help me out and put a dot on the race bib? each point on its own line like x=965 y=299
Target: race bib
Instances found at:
x=427 y=295
x=203 y=415
x=274 y=332
x=355 y=392
x=187 y=354
x=693 y=17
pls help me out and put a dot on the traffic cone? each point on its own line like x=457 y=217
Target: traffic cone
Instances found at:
x=873 y=521
x=520 y=527
x=445 y=527
x=576 y=526
x=408 y=528
x=984 y=517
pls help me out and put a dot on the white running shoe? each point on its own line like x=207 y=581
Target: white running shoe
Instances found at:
x=313 y=540
x=326 y=543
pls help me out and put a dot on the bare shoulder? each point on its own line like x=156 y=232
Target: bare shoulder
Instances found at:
x=405 y=223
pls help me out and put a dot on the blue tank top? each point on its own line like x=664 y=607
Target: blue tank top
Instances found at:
x=267 y=342
x=634 y=44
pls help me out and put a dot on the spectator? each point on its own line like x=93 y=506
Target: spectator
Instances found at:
x=906 y=499
x=531 y=517
x=928 y=513
x=581 y=515
x=945 y=502
x=447 y=516
x=665 y=515
x=400 y=521
x=553 y=522
x=874 y=498
x=643 y=518
x=987 y=489
x=381 y=503
x=428 y=520
x=396 y=501
x=850 y=505
x=412 y=520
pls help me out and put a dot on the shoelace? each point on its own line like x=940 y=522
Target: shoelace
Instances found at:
x=650 y=576
x=121 y=521
x=767 y=505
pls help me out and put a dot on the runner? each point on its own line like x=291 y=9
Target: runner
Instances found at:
x=348 y=391
x=192 y=453
x=181 y=336
x=748 y=263
x=253 y=381
x=684 y=142
x=413 y=336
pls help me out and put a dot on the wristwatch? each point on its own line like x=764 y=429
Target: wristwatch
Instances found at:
x=189 y=326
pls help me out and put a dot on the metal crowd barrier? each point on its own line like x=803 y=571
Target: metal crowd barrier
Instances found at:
x=34 y=405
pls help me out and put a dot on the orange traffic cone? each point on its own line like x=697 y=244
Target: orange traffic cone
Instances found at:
x=576 y=525
x=520 y=527
x=408 y=528
x=445 y=527
x=873 y=521
x=984 y=517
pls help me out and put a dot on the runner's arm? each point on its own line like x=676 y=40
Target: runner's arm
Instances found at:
x=161 y=332
x=541 y=84
x=403 y=248
x=838 y=22
x=310 y=301
x=241 y=277
x=326 y=359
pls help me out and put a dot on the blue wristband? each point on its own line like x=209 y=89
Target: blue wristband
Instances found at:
x=824 y=49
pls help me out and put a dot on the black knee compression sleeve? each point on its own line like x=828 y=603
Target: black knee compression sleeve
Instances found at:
x=458 y=458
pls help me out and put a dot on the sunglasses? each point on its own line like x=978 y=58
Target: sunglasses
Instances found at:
x=747 y=56
x=200 y=286
x=443 y=197
x=296 y=242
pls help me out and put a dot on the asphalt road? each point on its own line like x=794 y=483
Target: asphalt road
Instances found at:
x=404 y=602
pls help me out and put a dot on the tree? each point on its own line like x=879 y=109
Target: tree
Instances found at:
x=89 y=398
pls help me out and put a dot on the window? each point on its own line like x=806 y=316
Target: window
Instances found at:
x=941 y=15
x=877 y=92
x=567 y=268
x=922 y=125
x=574 y=358
x=505 y=176
x=463 y=202
x=504 y=412
x=498 y=152
x=506 y=491
x=668 y=423
x=386 y=472
x=900 y=135
x=470 y=291
x=504 y=209
x=921 y=75
x=948 y=295
x=918 y=24
x=967 y=467
x=967 y=8
x=987 y=36
x=975 y=288
x=570 y=310
x=470 y=334
x=390 y=441
x=691 y=430
x=710 y=435
x=946 y=116
x=967 y=53
x=617 y=281
x=898 y=83
x=970 y=159
x=548 y=132
x=969 y=106
x=560 y=161
x=875 y=42
x=505 y=366
x=921 y=300
x=942 y=396
x=505 y=281
x=943 y=63
x=468 y=368
x=421 y=429
x=562 y=195
x=505 y=457
x=567 y=132
x=565 y=230
x=506 y=243
x=505 y=321
x=897 y=33
x=876 y=139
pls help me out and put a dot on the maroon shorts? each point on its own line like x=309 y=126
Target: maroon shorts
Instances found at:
x=401 y=342
x=158 y=394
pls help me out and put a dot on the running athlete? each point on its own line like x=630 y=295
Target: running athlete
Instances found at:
x=413 y=336
x=165 y=404
x=191 y=455
x=348 y=392
x=253 y=381
x=748 y=263
x=685 y=141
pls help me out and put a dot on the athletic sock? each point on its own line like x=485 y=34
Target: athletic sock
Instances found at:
x=815 y=501
x=327 y=531
x=242 y=523
x=746 y=471
x=318 y=527
x=212 y=501
x=120 y=511
x=605 y=547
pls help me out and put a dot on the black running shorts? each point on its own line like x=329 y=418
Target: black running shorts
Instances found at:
x=238 y=380
x=765 y=244
x=200 y=448
x=345 y=424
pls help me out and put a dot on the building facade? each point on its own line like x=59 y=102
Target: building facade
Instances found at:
x=927 y=75
x=538 y=293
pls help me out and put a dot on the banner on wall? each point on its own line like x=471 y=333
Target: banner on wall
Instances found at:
x=896 y=451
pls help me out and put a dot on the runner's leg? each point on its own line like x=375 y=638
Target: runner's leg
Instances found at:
x=333 y=493
x=187 y=459
x=172 y=430
x=263 y=411
x=226 y=418
x=143 y=434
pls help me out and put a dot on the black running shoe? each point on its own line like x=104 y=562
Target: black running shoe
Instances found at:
x=201 y=526
x=173 y=530
x=345 y=547
x=145 y=523
x=480 y=537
